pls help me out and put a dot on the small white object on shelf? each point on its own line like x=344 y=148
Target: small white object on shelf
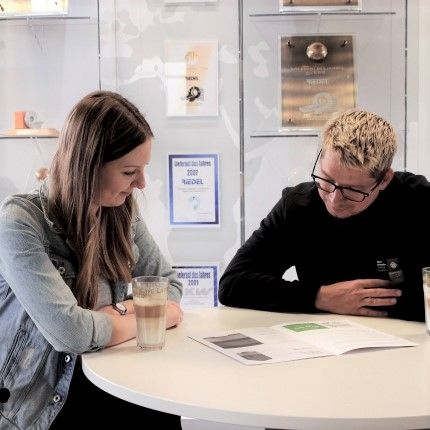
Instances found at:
x=31 y=120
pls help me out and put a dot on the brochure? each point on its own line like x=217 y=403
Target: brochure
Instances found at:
x=298 y=340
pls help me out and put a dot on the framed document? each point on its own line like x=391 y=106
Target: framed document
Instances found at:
x=317 y=79
x=318 y=5
x=189 y=1
x=193 y=190
x=200 y=283
x=11 y=8
x=191 y=78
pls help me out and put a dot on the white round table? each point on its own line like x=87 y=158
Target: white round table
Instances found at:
x=370 y=389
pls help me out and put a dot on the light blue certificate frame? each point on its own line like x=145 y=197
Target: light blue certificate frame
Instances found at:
x=200 y=282
x=193 y=190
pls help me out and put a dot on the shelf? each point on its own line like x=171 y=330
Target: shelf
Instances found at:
x=284 y=133
x=313 y=12
x=30 y=132
x=41 y=17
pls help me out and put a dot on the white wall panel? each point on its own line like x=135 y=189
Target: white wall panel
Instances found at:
x=132 y=45
x=46 y=66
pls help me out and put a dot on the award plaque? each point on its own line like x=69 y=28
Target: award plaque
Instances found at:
x=309 y=5
x=200 y=283
x=193 y=190
x=191 y=77
x=317 y=79
x=189 y=1
x=10 y=8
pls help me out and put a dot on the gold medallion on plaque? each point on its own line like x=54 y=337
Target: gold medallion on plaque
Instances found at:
x=317 y=79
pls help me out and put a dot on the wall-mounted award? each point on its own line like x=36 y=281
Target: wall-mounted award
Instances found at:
x=317 y=79
x=318 y=5
x=189 y=1
x=191 y=78
x=200 y=281
x=193 y=181
x=12 y=8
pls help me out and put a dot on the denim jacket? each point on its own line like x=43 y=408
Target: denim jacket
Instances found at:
x=42 y=327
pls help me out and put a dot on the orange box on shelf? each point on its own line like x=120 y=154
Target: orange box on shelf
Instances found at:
x=19 y=121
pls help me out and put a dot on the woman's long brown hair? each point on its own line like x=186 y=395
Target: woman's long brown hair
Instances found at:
x=102 y=127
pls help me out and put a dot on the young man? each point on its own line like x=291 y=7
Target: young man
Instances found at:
x=350 y=234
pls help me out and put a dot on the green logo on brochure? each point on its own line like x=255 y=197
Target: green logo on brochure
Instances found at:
x=303 y=327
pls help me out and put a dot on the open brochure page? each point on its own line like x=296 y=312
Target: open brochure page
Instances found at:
x=297 y=341
x=341 y=336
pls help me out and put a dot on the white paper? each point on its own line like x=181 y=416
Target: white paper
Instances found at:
x=298 y=340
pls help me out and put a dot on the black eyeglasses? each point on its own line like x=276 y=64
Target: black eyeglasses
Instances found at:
x=347 y=192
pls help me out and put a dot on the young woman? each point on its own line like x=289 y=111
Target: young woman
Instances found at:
x=67 y=254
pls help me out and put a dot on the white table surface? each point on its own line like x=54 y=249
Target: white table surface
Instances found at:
x=369 y=389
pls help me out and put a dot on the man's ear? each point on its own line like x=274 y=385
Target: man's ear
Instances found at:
x=386 y=179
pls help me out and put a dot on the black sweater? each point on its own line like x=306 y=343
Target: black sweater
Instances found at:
x=300 y=232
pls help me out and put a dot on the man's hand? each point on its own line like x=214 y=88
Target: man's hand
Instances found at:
x=174 y=314
x=353 y=297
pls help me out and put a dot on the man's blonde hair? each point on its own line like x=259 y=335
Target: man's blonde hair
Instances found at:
x=362 y=139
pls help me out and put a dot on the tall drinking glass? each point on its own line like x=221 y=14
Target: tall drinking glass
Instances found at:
x=149 y=298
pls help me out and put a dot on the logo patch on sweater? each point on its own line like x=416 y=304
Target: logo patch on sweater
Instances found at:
x=391 y=266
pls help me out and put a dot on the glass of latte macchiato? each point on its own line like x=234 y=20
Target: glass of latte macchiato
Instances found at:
x=149 y=298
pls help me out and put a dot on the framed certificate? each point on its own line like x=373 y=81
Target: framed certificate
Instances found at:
x=191 y=78
x=200 y=282
x=11 y=8
x=317 y=79
x=188 y=1
x=318 y=5
x=193 y=190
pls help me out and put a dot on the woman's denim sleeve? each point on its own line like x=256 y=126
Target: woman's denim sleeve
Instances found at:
x=27 y=269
